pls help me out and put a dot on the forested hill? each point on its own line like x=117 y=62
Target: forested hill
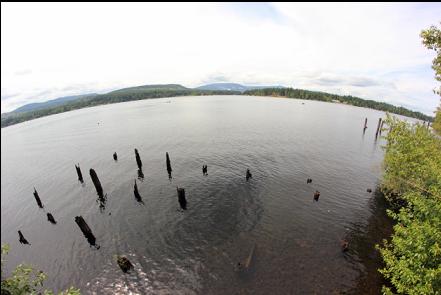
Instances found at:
x=121 y=95
x=172 y=90
x=346 y=99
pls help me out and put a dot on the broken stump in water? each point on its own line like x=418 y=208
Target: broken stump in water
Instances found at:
x=138 y=159
x=115 y=156
x=378 y=127
x=37 y=198
x=365 y=124
x=248 y=174
x=204 y=170
x=369 y=190
x=96 y=182
x=86 y=230
x=309 y=180
x=316 y=195
x=22 y=239
x=51 y=218
x=344 y=245
x=181 y=198
x=124 y=263
x=80 y=175
x=137 y=195
x=169 y=169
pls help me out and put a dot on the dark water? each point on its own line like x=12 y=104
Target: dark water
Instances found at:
x=282 y=141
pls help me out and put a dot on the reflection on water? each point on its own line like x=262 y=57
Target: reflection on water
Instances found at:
x=283 y=143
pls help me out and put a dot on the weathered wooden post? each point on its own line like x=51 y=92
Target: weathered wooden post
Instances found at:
x=51 y=218
x=37 y=198
x=316 y=195
x=96 y=182
x=22 y=238
x=181 y=198
x=204 y=169
x=344 y=245
x=136 y=192
x=86 y=230
x=115 y=156
x=124 y=263
x=378 y=127
x=309 y=180
x=248 y=175
x=365 y=124
x=138 y=159
x=80 y=175
x=140 y=174
x=169 y=169
x=381 y=126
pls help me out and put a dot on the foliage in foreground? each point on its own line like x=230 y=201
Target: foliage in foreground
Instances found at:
x=25 y=280
x=412 y=184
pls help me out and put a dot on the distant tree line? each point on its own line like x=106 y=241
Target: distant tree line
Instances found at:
x=112 y=97
x=347 y=99
x=158 y=91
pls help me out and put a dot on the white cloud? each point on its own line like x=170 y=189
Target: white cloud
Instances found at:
x=68 y=48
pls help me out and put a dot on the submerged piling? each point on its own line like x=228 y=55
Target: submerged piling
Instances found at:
x=248 y=174
x=86 y=230
x=378 y=127
x=37 y=198
x=204 y=170
x=316 y=195
x=96 y=182
x=136 y=192
x=365 y=124
x=181 y=198
x=51 y=219
x=124 y=263
x=169 y=169
x=80 y=175
x=115 y=156
x=138 y=159
x=22 y=239
x=309 y=180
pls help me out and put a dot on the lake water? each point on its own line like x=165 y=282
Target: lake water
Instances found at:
x=282 y=141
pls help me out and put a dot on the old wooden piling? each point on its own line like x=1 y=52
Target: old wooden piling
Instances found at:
x=248 y=174
x=22 y=238
x=138 y=159
x=181 y=198
x=85 y=229
x=115 y=156
x=37 y=198
x=140 y=174
x=136 y=192
x=344 y=245
x=309 y=180
x=124 y=263
x=369 y=190
x=204 y=169
x=51 y=219
x=316 y=195
x=365 y=124
x=80 y=175
x=96 y=182
x=378 y=127
x=169 y=169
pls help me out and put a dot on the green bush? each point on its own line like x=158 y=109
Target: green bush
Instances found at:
x=412 y=183
x=25 y=280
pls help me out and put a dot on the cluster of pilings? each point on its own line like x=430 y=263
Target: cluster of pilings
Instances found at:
x=379 y=127
x=123 y=262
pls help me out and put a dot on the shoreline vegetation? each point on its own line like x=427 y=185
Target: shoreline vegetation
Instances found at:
x=412 y=186
x=174 y=90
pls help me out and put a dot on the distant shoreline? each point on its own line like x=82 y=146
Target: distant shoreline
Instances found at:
x=173 y=90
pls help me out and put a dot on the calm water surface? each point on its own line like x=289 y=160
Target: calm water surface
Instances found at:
x=282 y=141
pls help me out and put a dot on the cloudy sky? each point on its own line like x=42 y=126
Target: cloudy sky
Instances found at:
x=367 y=50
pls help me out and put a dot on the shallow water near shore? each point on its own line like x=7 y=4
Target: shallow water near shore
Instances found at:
x=282 y=141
